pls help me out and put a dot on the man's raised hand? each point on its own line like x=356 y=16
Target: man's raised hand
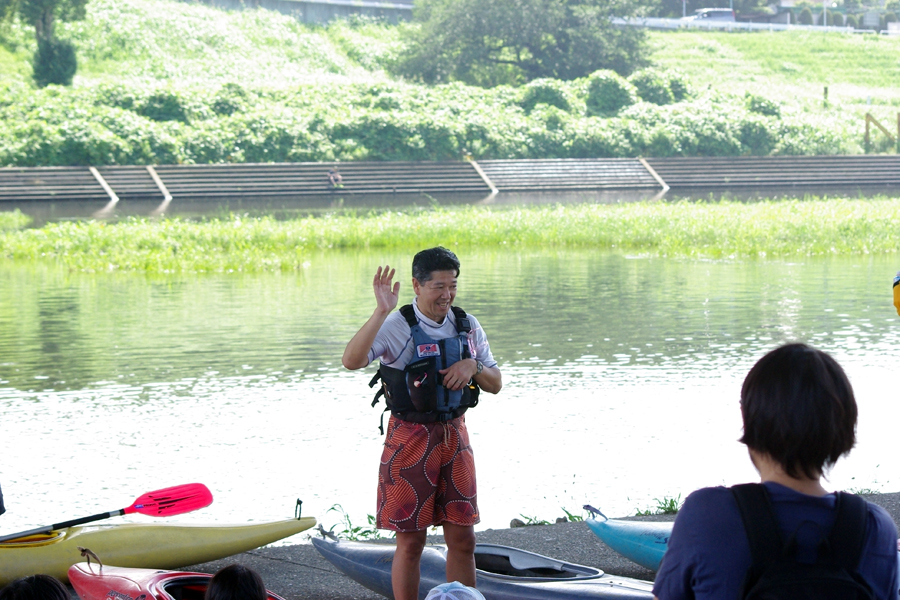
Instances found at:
x=386 y=294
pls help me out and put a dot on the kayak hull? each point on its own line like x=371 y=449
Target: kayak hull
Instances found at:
x=92 y=582
x=503 y=573
x=138 y=545
x=643 y=542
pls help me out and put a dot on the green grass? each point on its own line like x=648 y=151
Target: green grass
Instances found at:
x=192 y=45
x=353 y=532
x=664 y=506
x=682 y=229
x=12 y=220
x=789 y=66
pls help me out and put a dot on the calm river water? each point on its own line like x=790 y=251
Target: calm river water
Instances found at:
x=621 y=379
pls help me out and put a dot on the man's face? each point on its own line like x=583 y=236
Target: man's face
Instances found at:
x=435 y=296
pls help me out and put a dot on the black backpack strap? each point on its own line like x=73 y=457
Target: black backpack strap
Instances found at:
x=756 y=510
x=848 y=535
x=409 y=314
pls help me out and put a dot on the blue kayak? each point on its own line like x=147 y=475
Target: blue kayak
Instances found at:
x=503 y=573
x=643 y=542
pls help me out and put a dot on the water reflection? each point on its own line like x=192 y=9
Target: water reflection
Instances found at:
x=622 y=375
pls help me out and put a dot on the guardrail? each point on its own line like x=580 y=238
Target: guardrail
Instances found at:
x=709 y=24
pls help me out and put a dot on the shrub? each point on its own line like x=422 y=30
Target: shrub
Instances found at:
x=163 y=105
x=652 y=86
x=230 y=98
x=805 y=17
x=54 y=63
x=119 y=96
x=757 y=136
x=888 y=17
x=679 y=84
x=852 y=21
x=837 y=19
x=762 y=106
x=608 y=92
x=551 y=92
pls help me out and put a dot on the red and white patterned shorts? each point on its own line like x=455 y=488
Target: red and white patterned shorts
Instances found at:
x=427 y=476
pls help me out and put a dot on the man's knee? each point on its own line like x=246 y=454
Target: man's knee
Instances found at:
x=460 y=539
x=410 y=544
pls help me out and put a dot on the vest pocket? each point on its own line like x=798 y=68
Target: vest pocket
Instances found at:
x=422 y=382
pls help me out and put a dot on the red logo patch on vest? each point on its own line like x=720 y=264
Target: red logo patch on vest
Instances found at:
x=423 y=350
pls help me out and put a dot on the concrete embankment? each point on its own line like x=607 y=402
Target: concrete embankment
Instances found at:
x=300 y=573
x=478 y=181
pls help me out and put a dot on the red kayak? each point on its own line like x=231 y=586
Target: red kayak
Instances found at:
x=93 y=582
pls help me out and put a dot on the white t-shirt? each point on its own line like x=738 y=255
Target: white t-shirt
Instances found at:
x=394 y=343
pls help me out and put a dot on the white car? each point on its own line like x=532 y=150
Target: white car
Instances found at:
x=713 y=14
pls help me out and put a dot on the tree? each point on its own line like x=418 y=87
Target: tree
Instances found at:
x=489 y=42
x=43 y=15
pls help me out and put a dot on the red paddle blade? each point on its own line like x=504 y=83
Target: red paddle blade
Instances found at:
x=172 y=501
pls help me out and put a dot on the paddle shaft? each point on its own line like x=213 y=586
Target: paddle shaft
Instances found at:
x=63 y=525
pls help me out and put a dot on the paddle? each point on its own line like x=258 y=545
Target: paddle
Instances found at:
x=161 y=503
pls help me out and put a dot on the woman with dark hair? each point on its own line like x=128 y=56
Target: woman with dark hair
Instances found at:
x=236 y=582
x=799 y=417
x=35 y=587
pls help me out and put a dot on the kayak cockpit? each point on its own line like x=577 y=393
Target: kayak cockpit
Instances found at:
x=506 y=562
x=184 y=588
x=189 y=587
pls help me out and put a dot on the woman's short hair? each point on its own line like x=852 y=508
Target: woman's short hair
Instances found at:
x=236 y=582
x=798 y=407
x=35 y=587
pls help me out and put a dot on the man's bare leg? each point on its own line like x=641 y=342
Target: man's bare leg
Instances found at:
x=460 y=553
x=405 y=568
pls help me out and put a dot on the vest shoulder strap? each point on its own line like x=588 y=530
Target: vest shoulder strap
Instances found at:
x=409 y=314
x=462 y=320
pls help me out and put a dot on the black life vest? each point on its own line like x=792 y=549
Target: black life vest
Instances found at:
x=416 y=393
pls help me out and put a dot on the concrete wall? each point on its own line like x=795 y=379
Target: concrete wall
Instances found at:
x=323 y=11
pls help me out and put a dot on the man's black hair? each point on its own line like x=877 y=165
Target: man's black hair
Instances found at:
x=798 y=407
x=434 y=259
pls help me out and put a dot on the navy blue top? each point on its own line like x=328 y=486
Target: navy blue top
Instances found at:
x=708 y=553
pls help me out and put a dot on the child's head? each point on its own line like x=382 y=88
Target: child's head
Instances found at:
x=798 y=408
x=236 y=582
x=454 y=591
x=35 y=587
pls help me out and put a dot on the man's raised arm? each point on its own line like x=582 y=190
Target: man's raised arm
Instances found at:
x=356 y=354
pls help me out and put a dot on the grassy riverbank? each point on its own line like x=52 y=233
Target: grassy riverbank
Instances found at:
x=710 y=230
x=162 y=82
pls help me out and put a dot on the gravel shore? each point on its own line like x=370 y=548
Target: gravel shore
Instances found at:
x=300 y=573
